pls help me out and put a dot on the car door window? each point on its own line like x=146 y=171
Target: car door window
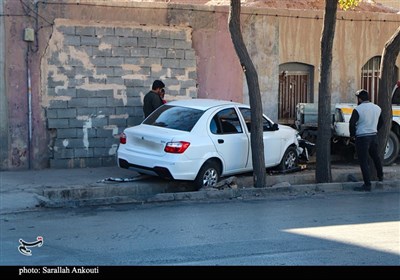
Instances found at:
x=226 y=122
x=246 y=113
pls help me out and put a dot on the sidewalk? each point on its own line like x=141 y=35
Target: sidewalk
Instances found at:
x=27 y=190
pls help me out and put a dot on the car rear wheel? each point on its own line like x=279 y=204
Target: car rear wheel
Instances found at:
x=208 y=175
x=290 y=159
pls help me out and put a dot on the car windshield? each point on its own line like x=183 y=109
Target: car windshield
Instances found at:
x=174 y=117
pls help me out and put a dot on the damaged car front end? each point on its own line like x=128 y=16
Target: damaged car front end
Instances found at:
x=305 y=148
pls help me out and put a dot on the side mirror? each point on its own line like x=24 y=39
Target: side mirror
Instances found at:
x=275 y=126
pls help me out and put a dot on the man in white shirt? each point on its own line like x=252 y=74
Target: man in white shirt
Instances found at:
x=365 y=121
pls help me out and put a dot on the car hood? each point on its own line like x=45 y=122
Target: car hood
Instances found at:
x=287 y=129
x=288 y=132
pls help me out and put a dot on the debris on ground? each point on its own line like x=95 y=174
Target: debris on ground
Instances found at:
x=230 y=182
x=351 y=178
x=300 y=167
x=122 y=180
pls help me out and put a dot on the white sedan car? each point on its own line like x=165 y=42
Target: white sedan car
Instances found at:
x=202 y=140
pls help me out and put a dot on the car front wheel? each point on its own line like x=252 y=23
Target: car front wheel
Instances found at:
x=208 y=175
x=290 y=159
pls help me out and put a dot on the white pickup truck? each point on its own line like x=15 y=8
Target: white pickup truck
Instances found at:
x=307 y=121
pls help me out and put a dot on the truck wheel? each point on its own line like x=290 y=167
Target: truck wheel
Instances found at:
x=290 y=159
x=392 y=149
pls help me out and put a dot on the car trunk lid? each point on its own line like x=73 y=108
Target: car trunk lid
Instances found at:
x=149 y=139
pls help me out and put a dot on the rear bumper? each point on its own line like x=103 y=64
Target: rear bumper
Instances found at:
x=155 y=171
x=171 y=166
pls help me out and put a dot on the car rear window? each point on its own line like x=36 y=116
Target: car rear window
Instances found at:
x=174 y=117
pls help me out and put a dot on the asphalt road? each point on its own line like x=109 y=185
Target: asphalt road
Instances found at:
x=343 y=229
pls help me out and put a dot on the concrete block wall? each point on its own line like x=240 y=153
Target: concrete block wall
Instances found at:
x=94 y=78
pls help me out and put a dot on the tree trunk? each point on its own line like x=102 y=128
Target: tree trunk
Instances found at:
x=257 y=144
x=387 y=81
x=323 y=169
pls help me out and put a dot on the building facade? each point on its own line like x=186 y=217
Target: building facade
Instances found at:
x=74 y=73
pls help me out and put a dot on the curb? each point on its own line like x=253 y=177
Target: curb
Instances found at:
x=91 y=196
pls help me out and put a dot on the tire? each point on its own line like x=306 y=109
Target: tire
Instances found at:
x=208 y=175
x=392 y=149
x=289 y=160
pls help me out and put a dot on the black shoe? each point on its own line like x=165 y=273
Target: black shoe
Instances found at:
x=363 y=188
x=380 y=179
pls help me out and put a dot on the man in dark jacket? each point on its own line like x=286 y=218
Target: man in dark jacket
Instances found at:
x=152 y=100
x=365 y=121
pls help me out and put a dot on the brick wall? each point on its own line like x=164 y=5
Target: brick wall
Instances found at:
x=95 y=78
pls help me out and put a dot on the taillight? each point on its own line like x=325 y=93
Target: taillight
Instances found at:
x=122 y=138
x=176 y=147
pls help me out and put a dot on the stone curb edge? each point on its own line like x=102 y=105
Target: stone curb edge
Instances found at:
x=214 y=194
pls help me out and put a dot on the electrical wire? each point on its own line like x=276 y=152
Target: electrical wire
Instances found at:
x=192 y=9
x=36 y=13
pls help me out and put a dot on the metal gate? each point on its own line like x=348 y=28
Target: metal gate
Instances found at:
x=293 y=89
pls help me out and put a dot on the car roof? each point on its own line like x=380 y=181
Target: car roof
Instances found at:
x=202 y=103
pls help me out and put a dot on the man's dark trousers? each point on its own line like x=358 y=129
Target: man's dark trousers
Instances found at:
x=368 y=145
